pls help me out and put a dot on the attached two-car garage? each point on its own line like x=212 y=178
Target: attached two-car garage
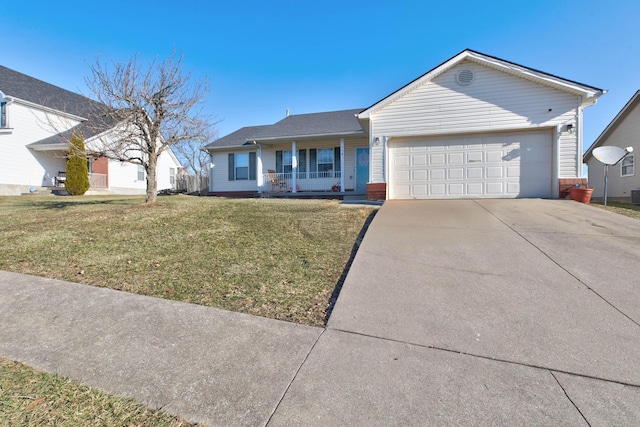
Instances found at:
x=498 y=165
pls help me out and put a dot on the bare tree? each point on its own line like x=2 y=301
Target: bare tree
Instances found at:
x=155 y=107
x=192 y=156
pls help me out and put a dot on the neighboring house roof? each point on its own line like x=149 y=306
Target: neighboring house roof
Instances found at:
x=26 y=88
x=589 y=93
x=297 y=126
x=626 y=110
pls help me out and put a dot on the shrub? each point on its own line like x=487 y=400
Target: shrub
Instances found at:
x=77 y=182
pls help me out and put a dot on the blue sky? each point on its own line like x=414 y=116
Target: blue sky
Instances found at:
x=262 y=57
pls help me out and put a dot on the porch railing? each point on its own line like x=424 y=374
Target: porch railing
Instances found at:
x=98 y=180
x=305 y=181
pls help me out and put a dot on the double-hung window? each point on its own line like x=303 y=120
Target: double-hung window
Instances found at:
x=324 y=162
x=242 y=166
x=627 y=166
x=140 y=173
x=3 y=115
x=284 y=162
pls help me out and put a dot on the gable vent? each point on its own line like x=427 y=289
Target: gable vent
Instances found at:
x=465 y=77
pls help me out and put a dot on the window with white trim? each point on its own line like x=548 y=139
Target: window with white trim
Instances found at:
x=4 y=123
x=242 y=166
x=627 y=166
x=140 y=173
x=172 y=176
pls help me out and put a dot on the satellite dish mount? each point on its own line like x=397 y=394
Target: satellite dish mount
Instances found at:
x=609 y=155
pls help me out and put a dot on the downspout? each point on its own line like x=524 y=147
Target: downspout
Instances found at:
x=579 y=136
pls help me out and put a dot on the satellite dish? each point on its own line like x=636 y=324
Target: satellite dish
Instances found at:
x=609 y=155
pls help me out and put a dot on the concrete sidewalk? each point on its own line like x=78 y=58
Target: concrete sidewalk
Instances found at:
x=495 y=312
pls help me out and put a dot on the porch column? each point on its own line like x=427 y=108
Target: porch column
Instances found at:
x=259 y=176
x=342 y=171
x=294 y=167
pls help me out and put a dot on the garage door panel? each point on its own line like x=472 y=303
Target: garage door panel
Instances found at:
x=437 y=159
x=475 y=188
x=456 y=174
x=494 y=172
x=517 y=164
x=437 y=174
x=474 y=173
x=419 y=160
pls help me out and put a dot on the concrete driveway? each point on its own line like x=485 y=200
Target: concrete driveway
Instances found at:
x=492 y=312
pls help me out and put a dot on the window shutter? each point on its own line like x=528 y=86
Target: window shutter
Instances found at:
x=336 y=159
x=279 y=161
x=232 y=167
x=252 y=166
x=302 y=160
x=313 y=160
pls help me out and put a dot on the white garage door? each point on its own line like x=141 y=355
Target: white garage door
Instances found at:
x=473 y=166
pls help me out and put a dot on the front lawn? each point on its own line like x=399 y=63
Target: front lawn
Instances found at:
x=269 y=257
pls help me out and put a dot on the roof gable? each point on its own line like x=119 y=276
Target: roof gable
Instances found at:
x=630 y=106
x=589 y=93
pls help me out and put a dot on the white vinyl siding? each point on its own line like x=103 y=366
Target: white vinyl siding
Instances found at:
x=494 y=101
x=625 y=134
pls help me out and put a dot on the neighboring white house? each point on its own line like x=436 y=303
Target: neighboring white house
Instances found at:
x=475 y=126
x=623 y=132
x=37 y=119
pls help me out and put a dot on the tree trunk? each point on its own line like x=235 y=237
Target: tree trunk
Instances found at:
x=152 y=182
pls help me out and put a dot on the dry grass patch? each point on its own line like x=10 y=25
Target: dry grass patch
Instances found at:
x=268 y=257
x=33 y=398
x=626 y=209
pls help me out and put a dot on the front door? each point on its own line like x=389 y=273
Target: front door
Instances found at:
x=362 y=169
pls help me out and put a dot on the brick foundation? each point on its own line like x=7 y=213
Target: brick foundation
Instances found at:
x=377 y=191
x=567 y=183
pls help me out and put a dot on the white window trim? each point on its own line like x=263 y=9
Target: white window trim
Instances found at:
x=632 y=165
x=7 y=125
x=144 y=174
x=236 y=167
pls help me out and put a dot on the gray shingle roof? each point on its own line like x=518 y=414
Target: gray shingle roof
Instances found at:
x=22 y=86
x=328 y=123
x=237 y=138
x=342 y=122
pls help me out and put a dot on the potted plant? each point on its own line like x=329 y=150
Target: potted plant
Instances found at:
x=581 y=194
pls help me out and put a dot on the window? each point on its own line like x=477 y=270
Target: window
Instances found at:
x=626 y=166
x=284 y=162
x=242 y=166
x=140 y=173
x=324 y=162
x=172 y=176
x=3 y=114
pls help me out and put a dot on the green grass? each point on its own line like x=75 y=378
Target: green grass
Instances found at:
x=269 y=257
x=626 y=209
x=29 y=397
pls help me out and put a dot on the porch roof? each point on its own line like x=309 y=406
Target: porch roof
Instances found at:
x=294 y=127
